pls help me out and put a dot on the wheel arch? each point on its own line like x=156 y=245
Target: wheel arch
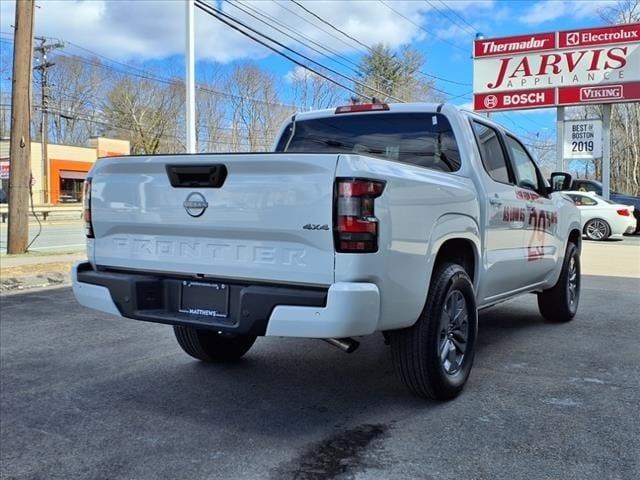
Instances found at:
x=575 y=236
x=456 y=238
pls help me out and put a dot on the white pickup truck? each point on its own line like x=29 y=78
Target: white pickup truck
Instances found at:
x=403 y=219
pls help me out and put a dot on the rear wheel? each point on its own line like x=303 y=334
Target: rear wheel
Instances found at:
x=560 y=303
x=597 y=229
x=211 y=346
x=434 y=357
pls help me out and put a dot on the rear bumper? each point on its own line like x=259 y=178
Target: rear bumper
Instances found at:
x=342 y=310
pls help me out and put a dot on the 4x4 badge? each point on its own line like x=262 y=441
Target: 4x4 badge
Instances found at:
x=312 y=226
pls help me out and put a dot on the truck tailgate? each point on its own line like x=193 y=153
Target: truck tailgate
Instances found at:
x=251 y=226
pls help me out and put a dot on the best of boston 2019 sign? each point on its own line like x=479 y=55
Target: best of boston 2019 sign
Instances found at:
x=582 y=139
x=596 y=65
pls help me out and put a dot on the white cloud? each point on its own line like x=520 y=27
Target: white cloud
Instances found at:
x=154 y=29
x=299 y=74
x=544 y=11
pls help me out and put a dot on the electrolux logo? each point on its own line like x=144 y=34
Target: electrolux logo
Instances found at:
x=621 y=34
x=573 y=38
x=629 y=33
x=195 y=204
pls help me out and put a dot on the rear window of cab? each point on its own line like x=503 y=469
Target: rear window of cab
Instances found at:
x=422 y=139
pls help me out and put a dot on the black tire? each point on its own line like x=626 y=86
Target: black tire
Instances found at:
x=211 y=346
x=560 y=303
x=597 y=229
x=417 y=350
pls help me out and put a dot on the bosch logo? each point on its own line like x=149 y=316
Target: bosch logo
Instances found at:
x=573 y=38
x=195 y=204
x=491 y=101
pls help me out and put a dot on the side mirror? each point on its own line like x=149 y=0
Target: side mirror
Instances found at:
x=560 y=181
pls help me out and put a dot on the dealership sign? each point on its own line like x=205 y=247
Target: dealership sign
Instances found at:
x=596 y=65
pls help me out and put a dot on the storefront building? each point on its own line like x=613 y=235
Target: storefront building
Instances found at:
x=60 y=179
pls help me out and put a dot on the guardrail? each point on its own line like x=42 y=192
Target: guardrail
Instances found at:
x=44 y=211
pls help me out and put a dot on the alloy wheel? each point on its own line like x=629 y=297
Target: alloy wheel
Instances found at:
x=596 y=229
x=454 y=332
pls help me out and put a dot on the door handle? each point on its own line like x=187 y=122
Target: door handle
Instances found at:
x=495 y=201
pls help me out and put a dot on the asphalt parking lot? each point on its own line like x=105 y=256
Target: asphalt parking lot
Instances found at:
x=85 y=395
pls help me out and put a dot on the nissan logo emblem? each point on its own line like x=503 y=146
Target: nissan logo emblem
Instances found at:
x=195 y=204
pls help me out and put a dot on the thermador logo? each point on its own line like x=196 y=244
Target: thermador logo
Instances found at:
x=195 y=204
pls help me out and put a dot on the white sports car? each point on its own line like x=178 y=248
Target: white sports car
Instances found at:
x=602 y=218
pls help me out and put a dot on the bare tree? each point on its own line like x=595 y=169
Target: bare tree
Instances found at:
x=76 y=87
x=256 y=112
x=312 y=92
x=148 y=113
x=211 y=111
x=625 y=118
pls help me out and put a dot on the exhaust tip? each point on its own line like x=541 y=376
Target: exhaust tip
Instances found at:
x=347 y=345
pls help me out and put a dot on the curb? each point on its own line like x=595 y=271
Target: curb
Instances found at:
x=42 y=280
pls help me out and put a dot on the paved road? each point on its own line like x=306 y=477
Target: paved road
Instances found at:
x=88 y=396
x=54 y=236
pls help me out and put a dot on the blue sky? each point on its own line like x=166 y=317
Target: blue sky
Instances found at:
x=150 y=34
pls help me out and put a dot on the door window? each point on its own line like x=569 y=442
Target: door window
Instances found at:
x=526 y=170
x=583 y=200
x=491 y=152
x=587 y=186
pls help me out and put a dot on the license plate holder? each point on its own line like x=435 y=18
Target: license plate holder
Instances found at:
x=204 y=299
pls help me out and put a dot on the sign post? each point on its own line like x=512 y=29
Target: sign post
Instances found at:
x=559 y=139
x=606 y=150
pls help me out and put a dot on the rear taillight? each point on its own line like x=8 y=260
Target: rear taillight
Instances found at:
x=356 y=227
x=86 y=208
x=624 y=212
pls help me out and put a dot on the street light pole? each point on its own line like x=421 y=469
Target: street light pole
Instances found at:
x=20 y=144
x=190 y=79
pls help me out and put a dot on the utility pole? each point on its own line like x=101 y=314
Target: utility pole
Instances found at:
x=20 y=144
x=43 y=66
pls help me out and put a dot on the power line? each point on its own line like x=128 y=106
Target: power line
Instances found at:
x=421 y=27
x=453 y=21
x=356 y=70
x=218 y=14
x=314 y=49
x=443 y=14
x=71 y=115
x=293 y=30
x=367 y=47
x=348 y=45
x=473 y=29
x=147 y=75
x=330 y=25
